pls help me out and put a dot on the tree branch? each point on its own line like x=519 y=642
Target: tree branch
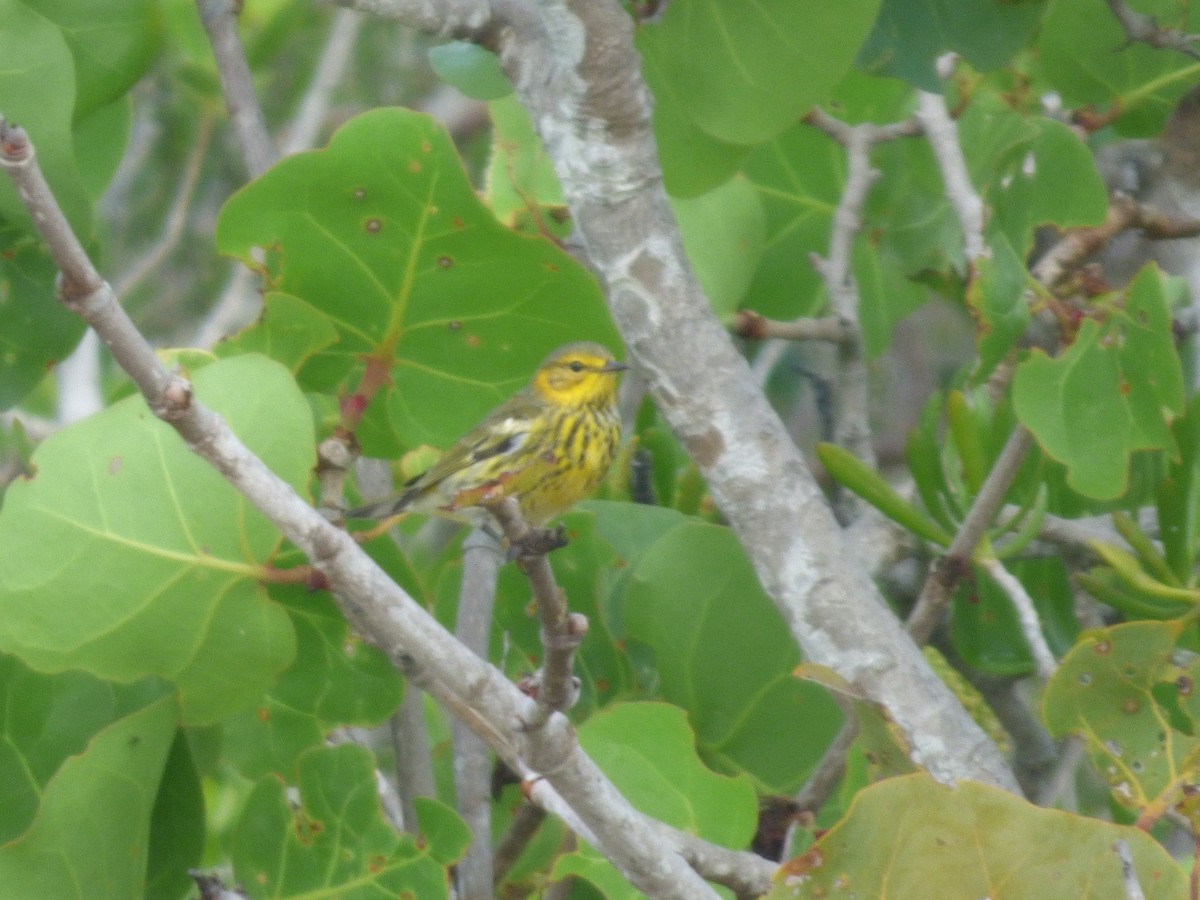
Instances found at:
x=249 y=125
x=472 y=762
x=1141 y=28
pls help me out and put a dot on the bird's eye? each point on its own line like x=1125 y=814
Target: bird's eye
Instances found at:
x=576 y=365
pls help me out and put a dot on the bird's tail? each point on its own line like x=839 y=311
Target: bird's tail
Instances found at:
x=382 y=509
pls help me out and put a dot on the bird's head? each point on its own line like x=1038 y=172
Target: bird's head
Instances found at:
x=582 y=374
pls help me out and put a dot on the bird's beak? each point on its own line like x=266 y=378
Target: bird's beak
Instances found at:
x=614 y=366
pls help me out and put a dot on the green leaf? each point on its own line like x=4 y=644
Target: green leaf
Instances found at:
x=335 y=843
x=1129 y=691
x=470 y=68
x=912 y=837
x=885 y=293
x=1114 y=391
x=1131 y=571
x=799 y=201
x=746 y=72
x=335 y=679
x=853 y=473
x=292 y=332
x=694 y=598
x=522 y=187
x=996 y=298
x=646 y=750
x=1178 y=497
x=442 y=829
x=177 y=826
x=382 y=233
x=724 y=233
x=1051 y=181
x=693 y=161
x=37 y=92
x=127 y=555
x=1085 y=55
x=113 y=42
x=36 y=330
x=48 y=719
x=909 y=36
x=91 y=835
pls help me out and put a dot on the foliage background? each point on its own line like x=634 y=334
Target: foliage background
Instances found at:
x=169 y=694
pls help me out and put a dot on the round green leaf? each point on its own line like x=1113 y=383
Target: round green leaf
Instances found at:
x=912 y=837
x=745 y=72
x=693 y=598
x=127 y=555
x=1086 y=56
x=470 y=68
x=335 y=842
x=91 y=835
x=1128 y=690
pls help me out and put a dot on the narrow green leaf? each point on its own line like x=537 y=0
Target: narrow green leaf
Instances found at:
x=1151 y=559
x=968 y=441
x=856 y=475
x=1132 y=573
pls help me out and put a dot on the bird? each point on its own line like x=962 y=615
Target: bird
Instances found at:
x=548 y=446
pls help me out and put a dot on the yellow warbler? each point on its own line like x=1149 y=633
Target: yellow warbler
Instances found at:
x=548 y=445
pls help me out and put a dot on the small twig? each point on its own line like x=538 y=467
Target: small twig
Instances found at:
x=1141 y=28
x=245 y=114
x=752 y=325
x=472 y=761
x=1123 y=213
x=1059 y=788
x=935 y=594
x=942 y=134
x=414 y=763
x=176 y=217
x=562 y=631
x=526 y=821
x=1031 y=626
x=832 y=766
x=1133 y=890
x=331 y=67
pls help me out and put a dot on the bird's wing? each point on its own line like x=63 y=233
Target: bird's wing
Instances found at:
x=504 y=431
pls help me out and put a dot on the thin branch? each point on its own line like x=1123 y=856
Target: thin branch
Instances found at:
x=414 y=763
x=1123 y=213
x=942 y=134
x=1142 y=28
x=935 y=594
x=372 y=603
x=852 y=429
x=525 y=824
x=832 y=766
x=219 y=18
x=555 y=688
x=1133 y=890
x=834 y=329
x=336 y=56
x=472 y=762
x=1031 y=626
x=176 y=217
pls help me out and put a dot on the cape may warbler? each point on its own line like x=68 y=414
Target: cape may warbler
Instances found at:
x=548 y=445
